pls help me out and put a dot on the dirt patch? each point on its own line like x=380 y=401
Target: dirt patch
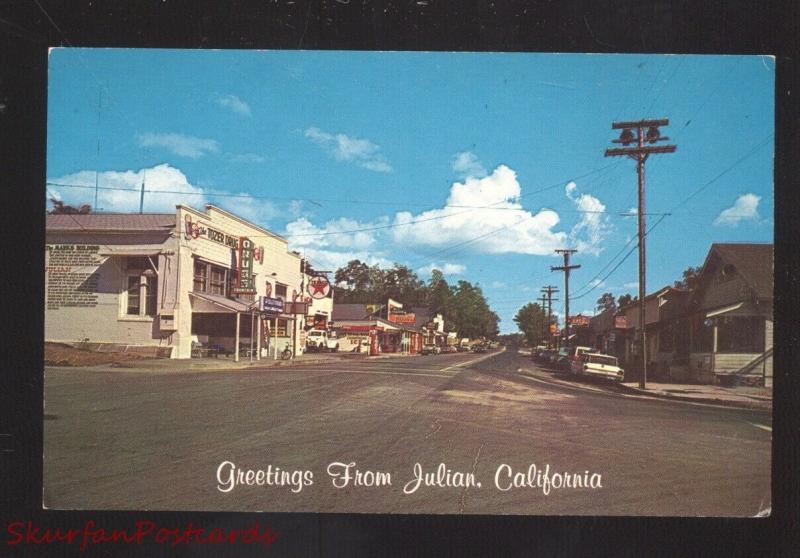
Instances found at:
x=59 y=354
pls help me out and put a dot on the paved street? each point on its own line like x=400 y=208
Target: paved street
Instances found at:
x=123 y=439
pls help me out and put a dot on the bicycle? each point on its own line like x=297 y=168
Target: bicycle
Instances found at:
x=286 y=354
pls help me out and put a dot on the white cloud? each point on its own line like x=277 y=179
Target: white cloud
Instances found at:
x=331 y=260
x=745 y=208
x=513 y=229
x=336 y=233
x=594 y=283
x=633 y=285
x=165 y=187
x=361 y=152
x=253 y=209
x=179 y=144
x=233 y=103
x=445 y=267
x=498 y=285
x=594 y=225
x=465 y=163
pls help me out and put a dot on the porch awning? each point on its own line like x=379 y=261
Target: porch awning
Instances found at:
x=132 y=250
x=205 y=303
x=724 y=310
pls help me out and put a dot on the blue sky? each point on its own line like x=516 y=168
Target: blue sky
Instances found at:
x=479 y=164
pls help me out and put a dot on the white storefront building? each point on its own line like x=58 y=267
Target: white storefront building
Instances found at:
x=183 y=284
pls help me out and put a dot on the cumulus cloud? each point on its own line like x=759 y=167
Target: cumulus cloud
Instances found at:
x=513 y=229
x=179 y=144
x=594 y=283
x=331 y=260
x=165 y=188
x=465 y=164
x=361 y=152
x=234 y=104
x=445 y=267
x=244 y=205
x=632 y=285
x=745 y=208
x=594 y=225
x=336 y=233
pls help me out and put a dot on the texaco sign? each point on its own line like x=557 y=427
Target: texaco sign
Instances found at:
x=318 y=287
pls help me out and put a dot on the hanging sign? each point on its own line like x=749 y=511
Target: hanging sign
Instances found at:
x=318 y=287
x=271 y=305
x=245 y=282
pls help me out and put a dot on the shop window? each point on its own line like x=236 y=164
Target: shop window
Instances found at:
x=217 y=281
x=280 y=328
x=141 y=295
x=200 y=275
x=134 y=295
x=210 y=278
x=740 y=335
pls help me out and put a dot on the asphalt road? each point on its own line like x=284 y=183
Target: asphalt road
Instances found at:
x=119 y=439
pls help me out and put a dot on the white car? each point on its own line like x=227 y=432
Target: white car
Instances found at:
x=598 y=365
x=320 y=340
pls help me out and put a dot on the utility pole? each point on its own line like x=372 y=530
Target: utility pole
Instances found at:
x=141 y=194
x=566 y=252
x=543 y=300
x=549 y=290
x=634 y=132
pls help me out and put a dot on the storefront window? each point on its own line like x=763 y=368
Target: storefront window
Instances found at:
x=280 y=329
x=134 y=298
x=200 y=270
x=217 y=283
x=740 y=335
x=141 y=289
x=210 y=278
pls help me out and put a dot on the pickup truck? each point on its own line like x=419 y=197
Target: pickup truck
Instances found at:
x=320 y=340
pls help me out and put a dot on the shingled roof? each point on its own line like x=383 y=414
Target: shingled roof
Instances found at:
x=111 y=222
x=754 y=262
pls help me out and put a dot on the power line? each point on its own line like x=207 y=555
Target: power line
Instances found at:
x=631 y=251
x=750 y=152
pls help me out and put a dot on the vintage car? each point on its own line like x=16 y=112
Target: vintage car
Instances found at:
x=599 y=365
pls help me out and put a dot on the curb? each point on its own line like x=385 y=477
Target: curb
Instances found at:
x=759 y=405
x=765 y=405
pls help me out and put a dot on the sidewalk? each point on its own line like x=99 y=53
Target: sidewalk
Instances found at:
x=227 y=362
x=221 y=363
x=743 y=396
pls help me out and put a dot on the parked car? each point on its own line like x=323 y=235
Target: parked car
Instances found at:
x=320 y=340
x=479 y=349
x=449 y=349
x=573 y=353
x=599 y=365
x=430 y=350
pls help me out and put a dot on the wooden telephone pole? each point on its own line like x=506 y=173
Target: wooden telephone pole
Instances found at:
x=566 y=269
x=549 y=290
x=545 y=326
x=634 y=132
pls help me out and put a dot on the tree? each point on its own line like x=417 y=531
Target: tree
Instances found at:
x=531 y=320
x=60 y=208
x=691 y=277
x=625 y=300
x=439 y=295
x=606 y=302
x=469 y=313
